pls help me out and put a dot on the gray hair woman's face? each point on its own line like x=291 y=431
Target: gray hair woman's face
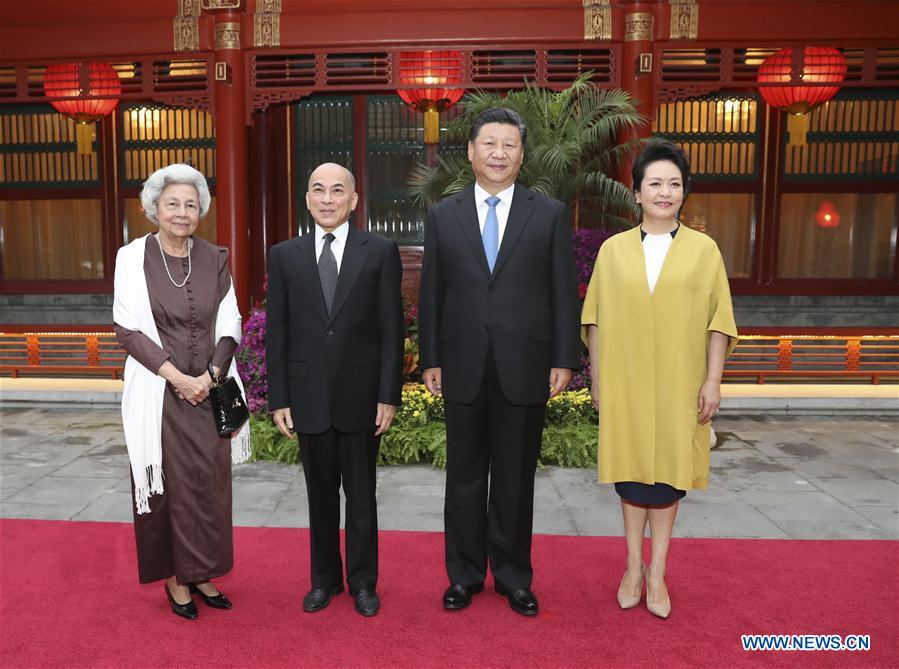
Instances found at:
x=177 y=213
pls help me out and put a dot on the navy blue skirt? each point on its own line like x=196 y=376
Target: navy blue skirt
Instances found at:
x=658 y=494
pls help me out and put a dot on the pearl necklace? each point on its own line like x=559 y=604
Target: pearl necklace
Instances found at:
x=166 y=265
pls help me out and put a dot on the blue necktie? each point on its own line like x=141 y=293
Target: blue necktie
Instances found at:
x=491 y=232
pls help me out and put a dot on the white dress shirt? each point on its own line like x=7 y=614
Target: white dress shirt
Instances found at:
x=337 y=246
x=655 y=248
x=502 y=208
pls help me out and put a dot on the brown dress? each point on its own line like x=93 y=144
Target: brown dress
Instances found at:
x=188 y=530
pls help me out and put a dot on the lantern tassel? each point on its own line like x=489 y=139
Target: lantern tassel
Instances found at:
x=432 y=126
x=84 y=138
x=797 y=127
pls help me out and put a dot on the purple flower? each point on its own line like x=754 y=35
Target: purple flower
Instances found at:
x=586 y=248
x=250 y=358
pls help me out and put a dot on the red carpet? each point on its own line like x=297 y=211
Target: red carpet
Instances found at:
x=70 y=598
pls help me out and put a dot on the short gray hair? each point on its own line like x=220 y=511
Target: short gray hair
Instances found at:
x=177 y=173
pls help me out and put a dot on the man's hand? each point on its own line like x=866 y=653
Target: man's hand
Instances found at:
x=432 y=378
x=284 y=421
x=559 y=378
x=384 y=418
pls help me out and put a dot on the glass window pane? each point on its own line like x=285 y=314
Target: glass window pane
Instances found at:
x=729 y=218
x=51 y=239
x=394 y=142
x=837 y=235
x=137 y=225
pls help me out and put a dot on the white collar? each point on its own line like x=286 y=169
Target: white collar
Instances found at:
x=505 y=196
x=341 y=232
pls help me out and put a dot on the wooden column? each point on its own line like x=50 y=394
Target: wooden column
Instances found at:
x=639 y=32
x=261 y=199
x=231 y=150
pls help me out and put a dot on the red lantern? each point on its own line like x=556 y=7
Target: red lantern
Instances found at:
x=435 y=72
x=827 y=215
x=823 y=69
x=85 y=92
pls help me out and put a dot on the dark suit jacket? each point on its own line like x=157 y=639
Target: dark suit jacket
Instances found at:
x=333 y=371
x=528 y=307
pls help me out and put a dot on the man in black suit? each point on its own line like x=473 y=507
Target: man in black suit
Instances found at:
x=334 y=356
x=498 y=324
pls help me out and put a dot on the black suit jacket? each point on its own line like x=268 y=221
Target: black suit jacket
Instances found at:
x=528 y=308
x=333 y=371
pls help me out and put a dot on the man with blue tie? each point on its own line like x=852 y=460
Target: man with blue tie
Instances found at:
x=498 y=329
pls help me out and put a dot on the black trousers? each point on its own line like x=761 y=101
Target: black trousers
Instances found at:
x=491 y=438
x=330 y=459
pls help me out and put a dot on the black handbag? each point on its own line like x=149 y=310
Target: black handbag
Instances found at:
x=229 y=410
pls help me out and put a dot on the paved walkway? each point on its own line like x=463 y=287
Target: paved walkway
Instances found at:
x=782 y=477
x=738 y=399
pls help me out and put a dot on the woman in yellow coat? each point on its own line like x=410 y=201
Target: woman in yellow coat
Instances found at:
x=658 y=322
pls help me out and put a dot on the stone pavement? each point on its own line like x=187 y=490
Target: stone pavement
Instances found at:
x=772 y=477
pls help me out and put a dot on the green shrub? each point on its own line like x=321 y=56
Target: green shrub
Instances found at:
x=571 y=445
x=267 y=442
x=418 y=433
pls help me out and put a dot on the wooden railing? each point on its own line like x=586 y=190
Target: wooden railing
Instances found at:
x=815 y=354
x=763 y=354
x=61 y=353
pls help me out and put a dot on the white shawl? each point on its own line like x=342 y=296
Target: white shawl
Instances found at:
x=144 y=390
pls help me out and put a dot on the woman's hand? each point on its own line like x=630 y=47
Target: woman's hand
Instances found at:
x=193 y=389
x=593 y=349
x=594 y=394
x=709 y=401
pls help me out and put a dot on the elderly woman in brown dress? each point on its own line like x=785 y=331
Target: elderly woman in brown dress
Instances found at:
x=175 y=312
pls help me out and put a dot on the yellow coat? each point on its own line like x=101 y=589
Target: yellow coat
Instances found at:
x=653 y=354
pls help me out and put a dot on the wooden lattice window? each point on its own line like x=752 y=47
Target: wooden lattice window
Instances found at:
x=394 y=145
x=154 y=136
x=854 y=137
x=719 y=133
x=847 y=168
x=721 y=136
x=324 y=133
x=51 y=221
x=37 y=149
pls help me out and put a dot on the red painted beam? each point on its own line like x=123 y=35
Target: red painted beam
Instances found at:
x=49 y=29
x=755 y=22
x=425 y=23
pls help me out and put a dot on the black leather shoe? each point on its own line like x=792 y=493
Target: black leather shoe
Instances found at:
x=188 y=610
x=367 y=602
x=219 y=601
x=521 y=600
x=459 y=596
x=318 y=598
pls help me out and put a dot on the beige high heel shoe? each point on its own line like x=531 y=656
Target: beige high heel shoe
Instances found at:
x=663 y=609
x=629 y=600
